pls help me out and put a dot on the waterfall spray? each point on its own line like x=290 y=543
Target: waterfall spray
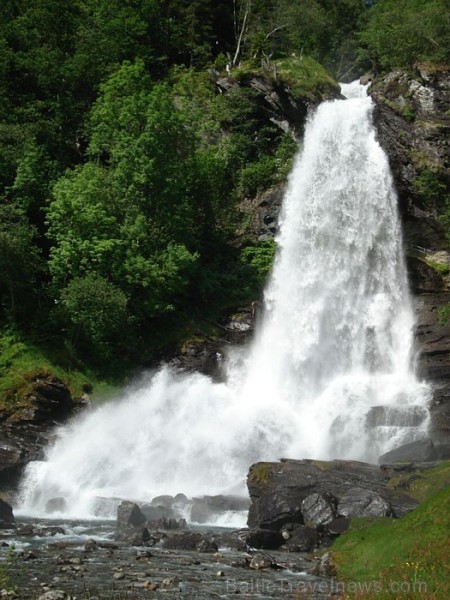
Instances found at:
x=328 y=375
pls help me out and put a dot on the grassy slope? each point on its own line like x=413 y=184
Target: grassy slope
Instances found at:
x=410 y=556
x=21 y=360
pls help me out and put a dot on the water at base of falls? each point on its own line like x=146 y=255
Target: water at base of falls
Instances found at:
x=329 y=374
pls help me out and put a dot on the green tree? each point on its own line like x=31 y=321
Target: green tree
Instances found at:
x=402 y=32
x=98 y=312
x=21 y=266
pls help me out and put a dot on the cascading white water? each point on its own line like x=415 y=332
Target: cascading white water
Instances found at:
x=334 y=342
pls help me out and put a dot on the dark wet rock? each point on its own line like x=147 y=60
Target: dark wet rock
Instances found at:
x=90 y=546
x=224 y=503
x=26 y=530
x=416 y=452
x=275 y=101
x=39 y=531
x=190 y=541
x=129 y=515
x=200 y=512
x=261 y=561
x=264 y=538
x=166 y=501
x=299 y=538
x=207 y=508
x=408 y=416
x=55 y=505
x=432 y=338
x=203 y=356
x=185 y=572
x=26 y=426
x=156 y=513
x=141 y=554
x=422 y=277
x=277 y=490
x=413 y=124
x=140 y=537
x=49 y=399
x=262 y=212
x=318 y=509
x=439 y=427
x=359 y=502
x=167 y=524
x=180 y=501
x=10 y=455
x=105 y=507
x=207 y=545
x=7 y=519
x=337 y=526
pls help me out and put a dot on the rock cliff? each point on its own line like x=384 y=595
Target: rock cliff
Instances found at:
x=412 y=116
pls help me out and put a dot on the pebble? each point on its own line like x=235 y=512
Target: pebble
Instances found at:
x=119 y=575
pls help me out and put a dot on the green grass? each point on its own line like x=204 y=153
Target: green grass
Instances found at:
x=404 y=558
x=306 y=76
x=422 y=484
x=442 y=268
x=22 y=360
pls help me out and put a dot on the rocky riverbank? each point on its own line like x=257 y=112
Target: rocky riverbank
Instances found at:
x=45 y=562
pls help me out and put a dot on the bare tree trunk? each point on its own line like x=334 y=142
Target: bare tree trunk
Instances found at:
x=241 y=33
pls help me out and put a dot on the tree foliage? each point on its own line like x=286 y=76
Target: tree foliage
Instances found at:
x=402 y=32
x=121 y=162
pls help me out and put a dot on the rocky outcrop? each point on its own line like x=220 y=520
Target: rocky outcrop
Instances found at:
x=276 y=100
x=26 y=426
x=206 y=354
x=7 y=519
x=413 y=125
x=310 y=502
x=412 y=116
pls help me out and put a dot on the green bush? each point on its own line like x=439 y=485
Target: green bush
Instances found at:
x=401 y=32
x=97 y=310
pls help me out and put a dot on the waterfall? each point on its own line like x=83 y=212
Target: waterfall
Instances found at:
x=328 y=375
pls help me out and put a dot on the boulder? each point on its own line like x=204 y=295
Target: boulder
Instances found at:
x=415 y=452
x=393 y=416
x=141 y=537
x=166 y=501
x=337 y=526
x=261 y=561
x=7 y=519
x=156 y=513
x=359 y=502
x=299 y=538
x=208 y=508
x=265 y=539
x=278 y=490
x=129 y=515
x=318 y=510
x=55 y=505
x=26 y=425
x=105 y=507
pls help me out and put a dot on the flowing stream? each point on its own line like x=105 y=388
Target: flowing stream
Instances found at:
x=330 y=372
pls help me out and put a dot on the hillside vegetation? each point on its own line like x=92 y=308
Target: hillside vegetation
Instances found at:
x=407 y=557
x=122 y=163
